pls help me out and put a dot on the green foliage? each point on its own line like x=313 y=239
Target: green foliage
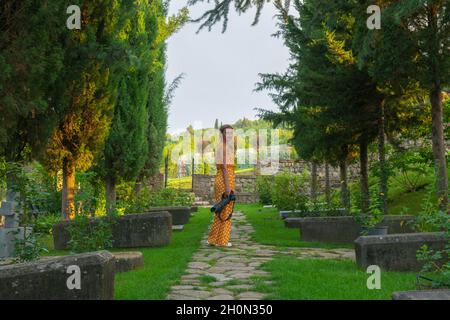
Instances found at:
x=28 y=248
x=288 y=191
x=369 y=220
x=147 y=199
x=36 y=189
x=90 y=197
x=88 y=234
x=430 y=218
x=31 y=60
x=264 y=189
x=436 y=263
x=43 y=224
x=411 y=168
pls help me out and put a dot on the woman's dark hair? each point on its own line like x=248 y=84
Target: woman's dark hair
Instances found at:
x=225 y=127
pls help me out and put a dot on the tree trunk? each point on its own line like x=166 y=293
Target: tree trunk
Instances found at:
x=439 y=150
x=364 y=175
x=111 y=196
x=166 y=171
x=314 y=181
x=327 y=184
x=138 y=187
x=345 y=194
x=68 y=190
x=383 y=183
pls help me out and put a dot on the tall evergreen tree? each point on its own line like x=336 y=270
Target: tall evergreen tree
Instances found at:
x=414 y=45
x=160 y=94
x=31 y=60
x=126 y=148
x=92 y=71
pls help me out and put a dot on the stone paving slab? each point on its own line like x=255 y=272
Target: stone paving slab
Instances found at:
x=228 y=273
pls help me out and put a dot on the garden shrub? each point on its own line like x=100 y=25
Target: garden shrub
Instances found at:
x=43 y=224
x=28 y=249
x=87 y=234
x=147 y=199
x=288 y=191
x=263 y=188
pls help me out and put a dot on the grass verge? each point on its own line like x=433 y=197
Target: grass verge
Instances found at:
x=294 y=279
x=163 y=266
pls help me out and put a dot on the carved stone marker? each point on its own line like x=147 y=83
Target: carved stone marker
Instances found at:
x=153 y=229
x=127 y=261
x=343 y=229
x=437 y=294
x=180 y=215
x=396 y=252
x=11 y=231
x=87 y=276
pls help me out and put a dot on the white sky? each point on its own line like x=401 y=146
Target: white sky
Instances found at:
x=221 y=70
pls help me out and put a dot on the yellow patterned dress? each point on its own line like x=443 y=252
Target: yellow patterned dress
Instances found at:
x=219 y=233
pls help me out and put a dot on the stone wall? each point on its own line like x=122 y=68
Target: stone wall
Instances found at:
x=299 y=166
x=203 y=186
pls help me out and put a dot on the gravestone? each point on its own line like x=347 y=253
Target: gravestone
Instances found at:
x=53 y=278
x=11 y=231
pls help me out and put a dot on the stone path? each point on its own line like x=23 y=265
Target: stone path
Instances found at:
x=231 y=273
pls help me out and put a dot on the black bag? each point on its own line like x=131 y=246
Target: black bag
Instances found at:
x=218 y=207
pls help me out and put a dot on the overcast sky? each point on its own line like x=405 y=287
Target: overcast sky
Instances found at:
x=221 y=69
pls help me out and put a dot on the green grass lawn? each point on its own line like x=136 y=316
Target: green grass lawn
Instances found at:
x=163 y=266
x=295 y=279
x=270 y=229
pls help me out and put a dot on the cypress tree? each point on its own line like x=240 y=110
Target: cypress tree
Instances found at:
x=31 y=60
x=126 y=148
x=89 y=84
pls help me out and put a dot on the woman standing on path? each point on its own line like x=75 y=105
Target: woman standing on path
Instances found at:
x=224 y=185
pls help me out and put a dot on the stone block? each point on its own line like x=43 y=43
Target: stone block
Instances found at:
x=127 y=261
x=153 y=229
x=48 y=279
x=344 y=229
x=396 y=252
x=439 y=294
x=8 y=237
x=180 y=215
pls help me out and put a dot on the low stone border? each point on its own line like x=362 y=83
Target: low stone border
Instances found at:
x=50 y=278
x=443 y=294
x=316 y=213
x=180 y=215
x=152 y=229
x=396 y=252
x=343 y=229
x=127 y=261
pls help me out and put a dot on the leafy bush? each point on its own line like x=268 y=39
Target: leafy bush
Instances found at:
x=263 y=188
x=43 y=224
x=90 y=197
x=90 y=234
x=430 y=218
x=36 y=189
x=147 y=199
x=437 y=262
x=411 y=169
x=288 y=191
x=28 y=249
